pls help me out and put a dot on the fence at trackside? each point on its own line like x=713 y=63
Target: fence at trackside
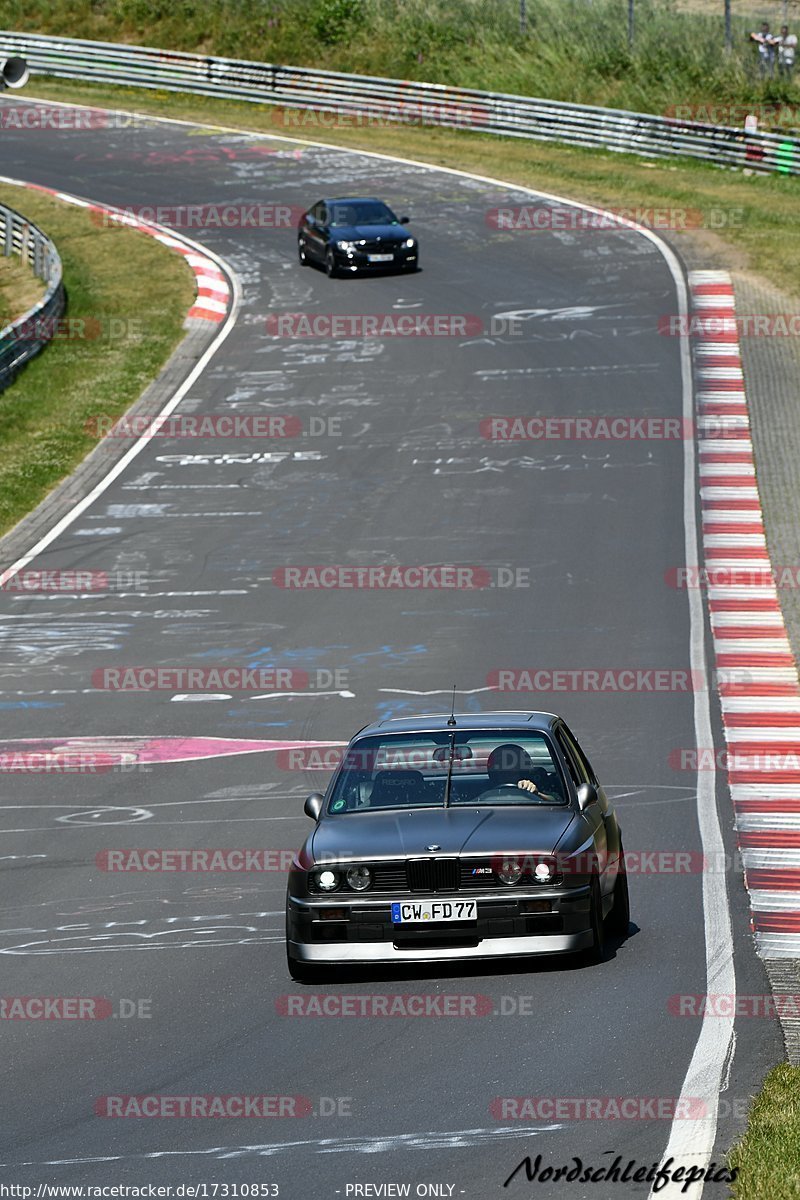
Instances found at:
x=367 y=98
x=26 y=336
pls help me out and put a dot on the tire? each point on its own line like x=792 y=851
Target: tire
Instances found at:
x=619 y=918
x=597 y=951
x=331 y=269
x=301 y=253
x=301 y=972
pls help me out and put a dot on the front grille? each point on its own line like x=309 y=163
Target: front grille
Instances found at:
x=476 y=875
x=374 y=247
x=389 y=877
x=432 y=875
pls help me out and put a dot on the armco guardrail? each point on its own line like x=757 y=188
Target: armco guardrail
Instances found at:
x=374 y=99
x=24 y=338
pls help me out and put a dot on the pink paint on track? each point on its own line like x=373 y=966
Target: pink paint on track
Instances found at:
x=132 y=749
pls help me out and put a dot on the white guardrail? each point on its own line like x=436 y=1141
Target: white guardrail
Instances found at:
x=367 y=99
x=26 y=336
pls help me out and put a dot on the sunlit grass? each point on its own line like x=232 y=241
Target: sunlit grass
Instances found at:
x=127 y=296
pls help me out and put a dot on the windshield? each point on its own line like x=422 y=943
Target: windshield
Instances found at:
x=362 y=212
x=410 y=771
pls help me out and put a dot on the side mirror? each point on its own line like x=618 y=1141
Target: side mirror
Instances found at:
x=313 y=805
x=587 y=795
x=404 y=220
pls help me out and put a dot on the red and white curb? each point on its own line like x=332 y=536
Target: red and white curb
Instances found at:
x=213 y=297
x=756 y=670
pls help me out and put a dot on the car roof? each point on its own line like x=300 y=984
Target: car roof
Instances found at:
x=353 y=200
x=522 y=719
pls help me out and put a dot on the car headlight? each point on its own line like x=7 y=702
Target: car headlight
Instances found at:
x=345 y=246
x=543 y=872
x=327 y=880
x=358 y=878
x=409 y=243
x=510 y=871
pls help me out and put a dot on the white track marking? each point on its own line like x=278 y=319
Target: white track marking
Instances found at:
x=366 y=1144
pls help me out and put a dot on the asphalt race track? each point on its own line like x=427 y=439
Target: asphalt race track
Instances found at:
x=399 y=474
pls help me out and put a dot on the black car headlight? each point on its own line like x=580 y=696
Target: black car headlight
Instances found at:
x=348 y=246
x=327 y=880
x=359 y=878
x=409 y=244
x=509 y=871
x=544 y=870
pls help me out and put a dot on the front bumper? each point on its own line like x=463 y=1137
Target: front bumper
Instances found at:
x=503 y=930
x=358 y=260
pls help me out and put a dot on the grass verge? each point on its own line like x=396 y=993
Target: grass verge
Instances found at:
x=19 y=289
x=768 y=1156
x=127 y=296
x=570 y=50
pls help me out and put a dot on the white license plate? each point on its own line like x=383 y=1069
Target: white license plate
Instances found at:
x=411 y=912
x=380 y=257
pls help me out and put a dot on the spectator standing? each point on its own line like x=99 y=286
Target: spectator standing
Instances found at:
x=787 y=44
x=767 y=45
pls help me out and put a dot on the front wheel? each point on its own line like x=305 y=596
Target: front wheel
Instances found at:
x=618 y=919
x=597 y=951
x=330 y=265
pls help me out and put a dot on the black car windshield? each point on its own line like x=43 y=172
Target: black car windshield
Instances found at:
x=497 y=767
x=361 y=212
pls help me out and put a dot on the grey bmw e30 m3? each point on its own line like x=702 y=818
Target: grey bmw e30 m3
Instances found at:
x=478 y=836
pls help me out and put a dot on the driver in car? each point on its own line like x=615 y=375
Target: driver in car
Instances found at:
x=511 y=765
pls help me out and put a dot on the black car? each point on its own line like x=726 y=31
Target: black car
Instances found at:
x=351 y=234
x=483 y=836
